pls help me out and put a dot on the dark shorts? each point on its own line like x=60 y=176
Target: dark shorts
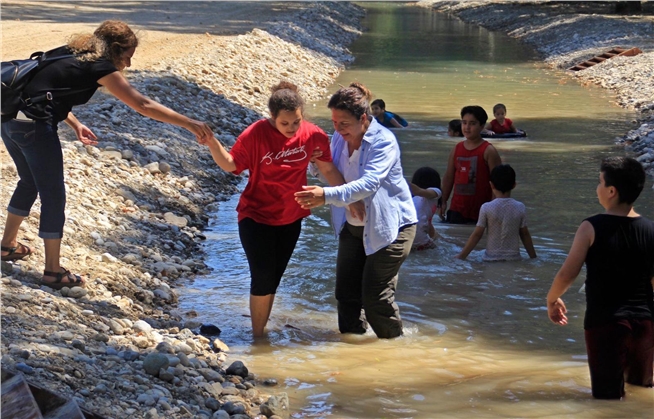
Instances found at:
x=619 y=350
x=455 y=217
x=268 y=250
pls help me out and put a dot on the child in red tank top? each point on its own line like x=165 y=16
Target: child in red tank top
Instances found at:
x=468 y=170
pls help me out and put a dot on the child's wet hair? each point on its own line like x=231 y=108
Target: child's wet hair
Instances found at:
x=626 y=175
x=503 y=177
x=455 y=126
x=284 y=97
x=378 y=102
x=499 y=106
x=426 y=177
x=477 y=111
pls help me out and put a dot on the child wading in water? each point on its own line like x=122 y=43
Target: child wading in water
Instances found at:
x=468 y=170
x=618 y=249
x=425 y=188
x=501 y=124
x=505 y=219
x=387 y=119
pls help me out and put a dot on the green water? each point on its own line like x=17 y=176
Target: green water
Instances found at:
x=477 y=339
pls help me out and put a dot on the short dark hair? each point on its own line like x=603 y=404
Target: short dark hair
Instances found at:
x=499 y=106
x=503 y=177
x=455 y=126
x=626 y=175
x=426 y=177
x=477 y=111
x=378 y=102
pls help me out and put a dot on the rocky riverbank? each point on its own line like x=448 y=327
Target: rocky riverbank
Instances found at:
x=136 y=207
x=566 y=33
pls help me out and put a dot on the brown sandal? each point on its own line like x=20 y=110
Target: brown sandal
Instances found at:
x=57 y=284
x=13 y=254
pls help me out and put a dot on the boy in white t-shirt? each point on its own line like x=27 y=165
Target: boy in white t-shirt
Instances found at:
x=425 y=187
x=505 y=219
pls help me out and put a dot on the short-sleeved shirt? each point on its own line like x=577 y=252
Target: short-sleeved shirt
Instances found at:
x=425 y=209
x=60 y=75
x=278 y=169
x=503 y=218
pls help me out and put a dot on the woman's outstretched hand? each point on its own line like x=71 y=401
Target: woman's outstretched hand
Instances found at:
x=310 y=197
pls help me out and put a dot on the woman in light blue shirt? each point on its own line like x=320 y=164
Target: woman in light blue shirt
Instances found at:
x=374 y=240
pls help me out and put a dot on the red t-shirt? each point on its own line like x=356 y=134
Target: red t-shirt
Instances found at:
x=471 y=180
x=278 y=169
x=505 y=128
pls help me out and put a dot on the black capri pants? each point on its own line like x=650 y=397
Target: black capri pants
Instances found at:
x=268 y=250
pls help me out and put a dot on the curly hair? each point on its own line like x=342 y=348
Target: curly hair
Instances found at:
x=110 y=40
x=355 y=99
x=285 y=97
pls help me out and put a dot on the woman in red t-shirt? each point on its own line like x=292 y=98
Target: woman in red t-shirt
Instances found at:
x=276 y=151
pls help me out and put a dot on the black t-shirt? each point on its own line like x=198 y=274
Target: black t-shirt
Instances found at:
x=620 y=266
x=63 y=74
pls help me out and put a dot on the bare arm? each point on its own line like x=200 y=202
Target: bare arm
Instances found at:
x=220 y=155
x=83 y=133
x=448 y=181
x=512 y=128
x=492 y=157
x=568 y=273
x=428 y=193
x=476 y=235
x=330 y=172
x=526 y=240
x=395 y=123
x=118 y=85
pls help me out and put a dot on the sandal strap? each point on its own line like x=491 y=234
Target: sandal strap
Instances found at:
x=11 y=250
x=59 y=275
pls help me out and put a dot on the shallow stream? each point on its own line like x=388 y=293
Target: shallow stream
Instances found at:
x=477 y=339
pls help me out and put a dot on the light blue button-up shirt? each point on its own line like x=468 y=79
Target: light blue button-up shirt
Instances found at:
x=381 y=186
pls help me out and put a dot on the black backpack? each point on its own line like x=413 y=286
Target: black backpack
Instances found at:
x=16 y=75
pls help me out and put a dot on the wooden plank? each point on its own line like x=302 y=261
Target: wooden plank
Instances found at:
x=70 y=410
x=17 y=400
x=625 y=52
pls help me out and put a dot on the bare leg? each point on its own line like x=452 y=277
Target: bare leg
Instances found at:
x=10 y=235
x=52 y=252
x=260 y=308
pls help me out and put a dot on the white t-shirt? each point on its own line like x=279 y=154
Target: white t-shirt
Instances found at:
x=351 y=173
x=425 y=208
x=503 y=218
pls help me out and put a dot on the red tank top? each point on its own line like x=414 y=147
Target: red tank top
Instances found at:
x=471 y=177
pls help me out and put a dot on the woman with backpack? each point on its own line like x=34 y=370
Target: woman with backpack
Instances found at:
x=33 y=143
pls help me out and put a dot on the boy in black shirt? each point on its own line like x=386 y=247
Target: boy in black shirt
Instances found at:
x=618 y=249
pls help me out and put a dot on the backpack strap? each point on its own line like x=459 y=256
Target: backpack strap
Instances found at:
x=44 y=60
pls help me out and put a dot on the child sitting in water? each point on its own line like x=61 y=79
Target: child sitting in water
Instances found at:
x=425 y=187
x=387 y=119
x=454 y=128
x=505 y=219
x=617 y=247
x=501 y=124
